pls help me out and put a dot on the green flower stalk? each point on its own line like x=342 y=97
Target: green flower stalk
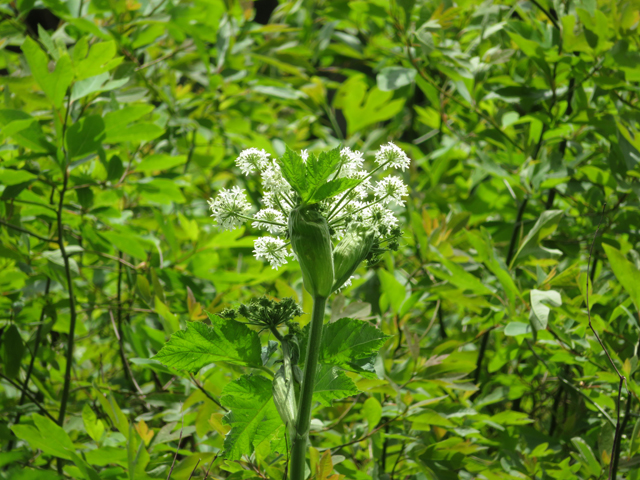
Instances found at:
x=326 y=212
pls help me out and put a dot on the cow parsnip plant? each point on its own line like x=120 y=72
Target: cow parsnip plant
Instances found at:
x=330 y=214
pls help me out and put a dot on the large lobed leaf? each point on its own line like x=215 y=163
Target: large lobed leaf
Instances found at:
x=200 y=345
x=348 y=343
x=332 y=384
x=253 y=417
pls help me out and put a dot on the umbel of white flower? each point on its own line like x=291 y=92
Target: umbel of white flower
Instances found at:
x=333 y=190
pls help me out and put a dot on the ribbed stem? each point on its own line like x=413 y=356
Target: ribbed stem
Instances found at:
x=303 y=418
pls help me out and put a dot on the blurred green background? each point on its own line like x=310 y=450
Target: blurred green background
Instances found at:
x=120 y=118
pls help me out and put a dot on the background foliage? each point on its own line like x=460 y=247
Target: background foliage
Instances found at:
x=120 y=118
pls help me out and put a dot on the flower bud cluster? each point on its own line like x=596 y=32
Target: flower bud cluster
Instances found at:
x=360 y=222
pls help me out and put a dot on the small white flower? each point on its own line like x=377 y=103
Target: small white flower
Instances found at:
x=273 y=180
x=270 y=215
x=350 y=211
x=269 y=199
x=304 y=154
x=252 y=159
x=381 y=217
x=392 y=155
x=391 y=188
x=354 y=207
x=351 y=162
x=362 y=190
x=271 y=249
x=228 y=206
x=346 y=284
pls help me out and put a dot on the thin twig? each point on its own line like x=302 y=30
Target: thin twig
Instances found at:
x=615 y=460
x=194 y=470
x=164 y=57
x=35 y=235
x=112 y=257
x=118 y=327
x=414 y=62
x=616 y=439
x=72 y=304
x=35 y=348
x=573 y=387
x=28 y=394
x=393 y=470
x=516 y=227
x=192 y=147
x=207 y=394
x=371 y=433
x=483 y=348
x=177 y=449
x=36 y=345
x=549 y=16
x=210 y=465
x=125 y=363
x=344 y=414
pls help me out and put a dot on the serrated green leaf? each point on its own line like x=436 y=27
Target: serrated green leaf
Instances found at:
x=253 y=416
x=332 y=384
x=199 y=345
x=333 y=188
x=348 y=343
x=348 y=339
x=319 y=169
x=294 y=171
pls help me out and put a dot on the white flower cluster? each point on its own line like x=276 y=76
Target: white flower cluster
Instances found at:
x=367 y=203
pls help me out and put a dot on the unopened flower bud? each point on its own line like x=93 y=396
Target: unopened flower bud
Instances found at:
x=311 y=242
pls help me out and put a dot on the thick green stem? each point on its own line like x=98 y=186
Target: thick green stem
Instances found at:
x=303 y=419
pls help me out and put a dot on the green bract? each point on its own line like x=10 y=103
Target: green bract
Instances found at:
x=351 y=251
x=311 y=242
